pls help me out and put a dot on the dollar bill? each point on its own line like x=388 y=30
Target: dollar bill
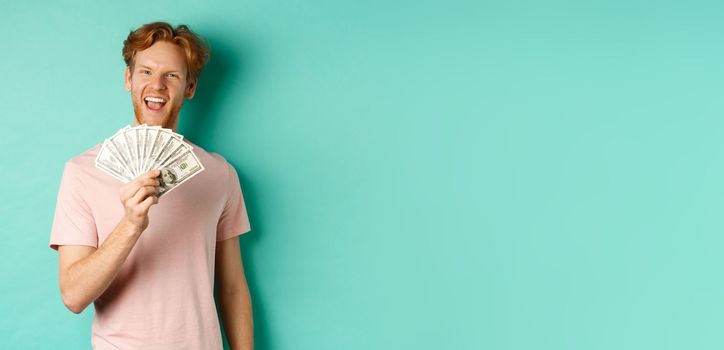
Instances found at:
x=132 y=151
x=107 y=161
x=179 y=171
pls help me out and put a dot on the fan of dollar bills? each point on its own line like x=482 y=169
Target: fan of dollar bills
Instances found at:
x=133 y=151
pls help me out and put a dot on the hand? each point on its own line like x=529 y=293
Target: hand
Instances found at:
x=138 y=196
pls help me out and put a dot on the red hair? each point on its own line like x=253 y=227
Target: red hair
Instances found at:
x=195 y=48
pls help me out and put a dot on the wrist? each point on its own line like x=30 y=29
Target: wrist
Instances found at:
x=129 y=228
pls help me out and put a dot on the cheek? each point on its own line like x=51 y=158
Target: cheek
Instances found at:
x=136 y=90
x=178 y=98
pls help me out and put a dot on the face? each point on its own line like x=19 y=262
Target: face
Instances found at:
x=168 y=177
x=158 y=82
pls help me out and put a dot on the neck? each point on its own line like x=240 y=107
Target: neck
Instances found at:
x=173 y=127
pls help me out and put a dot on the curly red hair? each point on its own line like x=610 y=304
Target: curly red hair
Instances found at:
x=195 y=48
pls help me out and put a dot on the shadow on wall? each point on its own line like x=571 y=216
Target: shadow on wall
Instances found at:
x=225 y=78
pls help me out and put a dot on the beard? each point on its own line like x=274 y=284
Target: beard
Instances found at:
x=167 y=119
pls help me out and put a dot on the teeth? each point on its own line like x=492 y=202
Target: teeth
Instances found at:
x=154 y=99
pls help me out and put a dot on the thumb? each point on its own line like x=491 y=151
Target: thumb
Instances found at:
x=147 y=203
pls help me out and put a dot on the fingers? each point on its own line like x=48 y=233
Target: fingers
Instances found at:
x=132 y=188
x=147 y=203
x=146 y=182
x=144 y=192
x=150 y=174
x=138 y=196
x=147 y=179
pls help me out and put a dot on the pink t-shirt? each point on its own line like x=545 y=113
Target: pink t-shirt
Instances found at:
x=162 y=298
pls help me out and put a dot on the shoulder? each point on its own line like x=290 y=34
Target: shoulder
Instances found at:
x=79 y=172
x=82 y=163
x=210 y=158
x=214 y=163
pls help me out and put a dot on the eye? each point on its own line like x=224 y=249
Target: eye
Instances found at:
x=172 y=75
x=145 y=71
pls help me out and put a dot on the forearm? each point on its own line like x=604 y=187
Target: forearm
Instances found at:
x=236 y=314
x=85 y=280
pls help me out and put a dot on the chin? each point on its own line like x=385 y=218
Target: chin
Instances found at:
x=149 y=121
x=144 y=117
x=166 y=120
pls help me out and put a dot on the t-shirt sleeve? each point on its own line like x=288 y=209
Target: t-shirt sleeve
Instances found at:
x=234 y=220
x=73 y=223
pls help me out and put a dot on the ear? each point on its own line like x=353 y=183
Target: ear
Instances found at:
x=128 y=79
x=191 y=88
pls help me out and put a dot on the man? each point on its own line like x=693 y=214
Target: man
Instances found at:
x=166 y=180
x=149 y=265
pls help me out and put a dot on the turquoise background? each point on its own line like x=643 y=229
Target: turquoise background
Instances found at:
x=418 y=174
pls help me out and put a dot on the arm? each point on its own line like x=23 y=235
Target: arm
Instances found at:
x=233 y=295
x=86 y=272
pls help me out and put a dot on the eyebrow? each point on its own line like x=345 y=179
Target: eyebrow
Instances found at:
x=149 y=68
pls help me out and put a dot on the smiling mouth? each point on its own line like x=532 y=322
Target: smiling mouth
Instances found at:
x=154 y=103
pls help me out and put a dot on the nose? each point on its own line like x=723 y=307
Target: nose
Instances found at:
x=157 y=82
